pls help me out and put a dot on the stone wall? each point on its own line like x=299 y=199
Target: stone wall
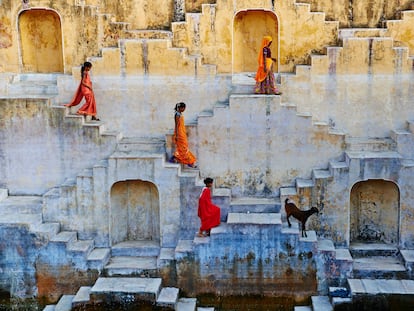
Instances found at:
x=248 y=259
x=18 y=254
x=42 y=148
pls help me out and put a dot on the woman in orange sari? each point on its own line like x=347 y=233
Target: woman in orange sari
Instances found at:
x=85 y=90
x=265 y=79
x=182 y=154
x=208 y=212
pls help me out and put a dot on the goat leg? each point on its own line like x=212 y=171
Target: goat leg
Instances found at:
x=304 y=230
x=287 y=218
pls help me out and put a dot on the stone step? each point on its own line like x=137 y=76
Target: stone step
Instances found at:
x=36 y=77
x=340 y=298
x=338 y=166
x=168 y=297
x=408 y=258
x=23 y=210
x=359 y=249
x=254 y=219
x=98 y=258
x=205 y=309
x=30 y=89
x=343 y=254
x=243 y=83
x=254 y=205
x=131 y=266
x=133 y=287
x=327 y=247
x=152 y=145
x=380 y=286
x=81 y=247
x=361 y=32
x=379 y=267
x=186 y=304
x=49 y=308
x=136 y=248
x=21 y=204
x=302 y=308
x=321 y=303
x=372 y=155
x=65 y=303
x=32 y=220
x=148 y=34
x=4 y=193
x=47 y=230
x=82 y=296
x=370 y=144
x=64 y=237
x=321 y=174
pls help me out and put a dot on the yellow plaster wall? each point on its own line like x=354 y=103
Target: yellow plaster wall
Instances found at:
x=403 y=31
x=78 y=25
x=220 y=34
x=195 y=5
x=361 y=14
x=8 y=40
x=141 y=14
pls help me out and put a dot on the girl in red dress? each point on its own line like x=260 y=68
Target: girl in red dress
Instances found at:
x=85 y=91
x=208 y=212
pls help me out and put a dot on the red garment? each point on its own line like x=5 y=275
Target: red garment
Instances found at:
x=85 y=90
x=207 y=211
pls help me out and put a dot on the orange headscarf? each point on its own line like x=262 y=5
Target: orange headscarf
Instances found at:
x=261 y=74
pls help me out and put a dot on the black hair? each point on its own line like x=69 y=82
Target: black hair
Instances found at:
x=179 y=105
x=208 y=180
x=85 y=65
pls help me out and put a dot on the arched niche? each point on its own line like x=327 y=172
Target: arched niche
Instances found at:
x=374 y=212
x=40 y=41
x=135 y=214
x=249 y=28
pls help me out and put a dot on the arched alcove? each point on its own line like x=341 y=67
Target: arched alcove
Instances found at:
x=249 y=28
x=40 y=41
x=134 y=211
x=374 y=212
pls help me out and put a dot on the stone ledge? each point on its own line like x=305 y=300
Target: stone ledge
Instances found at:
x=254 y=218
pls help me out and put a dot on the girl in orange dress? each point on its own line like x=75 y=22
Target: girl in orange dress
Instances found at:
x=265 y=79
x=182 y=154
x=85 y=90
x=208 y=212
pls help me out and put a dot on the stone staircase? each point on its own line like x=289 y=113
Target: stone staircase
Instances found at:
x=379 y=261
x=120 y=289
x=134 y=258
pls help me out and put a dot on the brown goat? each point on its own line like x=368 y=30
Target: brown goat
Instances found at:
x=302 y=216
